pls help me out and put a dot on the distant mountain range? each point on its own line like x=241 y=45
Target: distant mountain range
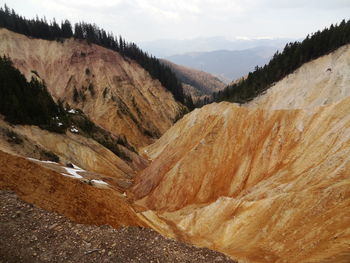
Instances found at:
x=226 y=59
x=225 y=64
x=168 y=47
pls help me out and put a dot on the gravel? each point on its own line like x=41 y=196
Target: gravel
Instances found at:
x=31 y=234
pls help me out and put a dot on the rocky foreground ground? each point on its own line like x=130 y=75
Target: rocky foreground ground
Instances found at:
x=31 y=234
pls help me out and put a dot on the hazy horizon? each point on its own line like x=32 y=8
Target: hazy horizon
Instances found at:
x=142 y=21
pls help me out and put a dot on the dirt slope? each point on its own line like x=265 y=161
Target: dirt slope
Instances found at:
x=195 y=82
x=31 y=234
x=277 y=183
x=73 y=148
x=258 y=184
x=115 y=92
x=79 y=201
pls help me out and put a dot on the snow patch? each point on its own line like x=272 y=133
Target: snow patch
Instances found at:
x=74 y=130
x=36 y=160
x=99 y=182
x=77 y=167
x=73 y=172
x=76 y=176
x=73 y=111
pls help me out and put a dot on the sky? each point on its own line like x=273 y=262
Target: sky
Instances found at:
x=146 y=20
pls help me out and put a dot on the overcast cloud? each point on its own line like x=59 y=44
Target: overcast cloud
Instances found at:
x=141 y=20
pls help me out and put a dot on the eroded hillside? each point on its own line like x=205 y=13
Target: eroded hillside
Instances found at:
x=115 y=92
x=33 y=142
x=195 y=82
x=259 y=184
x=82 y=202
x=267 y=182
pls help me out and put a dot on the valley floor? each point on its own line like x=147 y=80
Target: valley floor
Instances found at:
x=31 y=234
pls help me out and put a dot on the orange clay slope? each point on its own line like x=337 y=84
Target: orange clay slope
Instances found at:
x=77 y=200
x=260 y=185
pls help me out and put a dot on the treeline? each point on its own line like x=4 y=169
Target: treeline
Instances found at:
x=293 y=56
x=23 y=102
x=41 y=28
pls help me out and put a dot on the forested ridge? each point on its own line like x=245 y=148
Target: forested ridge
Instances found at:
x=292 y=57
x=23 y=102
x=40 y=28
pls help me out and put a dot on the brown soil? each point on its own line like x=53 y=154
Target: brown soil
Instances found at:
x=31 y=234
x=77 y=200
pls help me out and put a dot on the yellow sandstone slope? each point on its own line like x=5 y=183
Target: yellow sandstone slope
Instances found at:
x=260 y=185
x=115 y=92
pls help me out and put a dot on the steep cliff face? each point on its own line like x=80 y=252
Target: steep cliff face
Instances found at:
x=115 y=92
x=259 y=184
